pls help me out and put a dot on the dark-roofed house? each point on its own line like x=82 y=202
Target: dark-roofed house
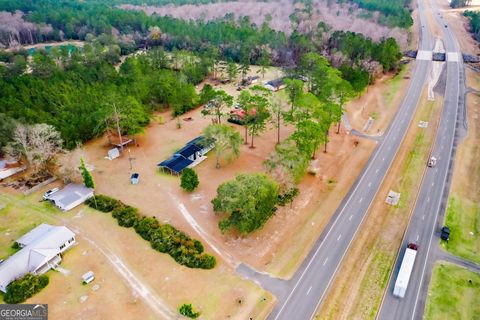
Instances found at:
x=275 y=85
x=41 y=251
x=70 y=196
x=189 y=156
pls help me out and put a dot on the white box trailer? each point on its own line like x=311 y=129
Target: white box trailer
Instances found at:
x=405 y=271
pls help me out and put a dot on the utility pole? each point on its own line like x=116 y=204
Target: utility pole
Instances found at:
x=117 y=121
x=130 y=159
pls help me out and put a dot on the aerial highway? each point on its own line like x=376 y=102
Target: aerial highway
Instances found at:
x=301 y=295
x=424 y=226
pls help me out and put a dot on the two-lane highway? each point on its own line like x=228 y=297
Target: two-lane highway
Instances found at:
x=434 y=190
x=311 y=282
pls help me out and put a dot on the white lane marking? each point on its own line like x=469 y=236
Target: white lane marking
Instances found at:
x=423 y=217
x=325 y=262
x=432 y=228
x=418 y=237
x=360 y=201
x=339 y=237
x=350 y=219
x=370 y=184
x=383 y=159
x=309 y=289
x=376 y=171
x=433 y=183
x=428 y=199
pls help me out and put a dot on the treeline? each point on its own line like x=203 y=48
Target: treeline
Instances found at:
x=227 y=38
x=164 y=238
x=474 y=23
x=394 y=13
x=460 y=3
x=75 y=20
x=78 y=93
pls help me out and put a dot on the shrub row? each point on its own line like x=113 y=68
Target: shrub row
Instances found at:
x=164 y=238
x=25 y=287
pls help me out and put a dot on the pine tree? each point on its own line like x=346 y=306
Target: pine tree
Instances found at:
x=87 y=177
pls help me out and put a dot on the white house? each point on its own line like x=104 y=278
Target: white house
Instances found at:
x=70 y=196
x=41 y=251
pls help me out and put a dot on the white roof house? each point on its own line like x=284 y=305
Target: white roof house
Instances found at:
x=41 y=249
x=70 y=196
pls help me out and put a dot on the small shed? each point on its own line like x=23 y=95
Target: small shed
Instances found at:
x=70 y=196
x=88 y=277
x=113 y=154
x=135 y=178
x=275 y=85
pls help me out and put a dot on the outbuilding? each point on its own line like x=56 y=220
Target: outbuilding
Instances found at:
x=189 y=156
x=70 y=196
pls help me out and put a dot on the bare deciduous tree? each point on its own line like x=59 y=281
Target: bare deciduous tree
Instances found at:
x=68 y=165
x=36 y=144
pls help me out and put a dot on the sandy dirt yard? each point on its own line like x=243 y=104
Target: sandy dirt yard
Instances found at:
x=339 y=17
x=373 y=111
x=132 y=281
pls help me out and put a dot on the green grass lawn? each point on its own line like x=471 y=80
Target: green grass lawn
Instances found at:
x=20 y=215
x=463 y=218
x=454 y=293
x=395 y=85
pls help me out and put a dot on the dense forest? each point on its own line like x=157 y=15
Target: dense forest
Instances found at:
x=474 y=23
x=77 y=91
x=394 y=12
x=460 y=3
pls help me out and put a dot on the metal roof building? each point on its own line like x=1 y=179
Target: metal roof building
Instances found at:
x=41 y=251
x=189 y=156
x=70 y=196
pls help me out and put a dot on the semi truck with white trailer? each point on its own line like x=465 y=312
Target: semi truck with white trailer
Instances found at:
x=405 y=271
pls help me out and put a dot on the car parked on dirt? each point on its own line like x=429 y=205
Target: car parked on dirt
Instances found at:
x=47 y=194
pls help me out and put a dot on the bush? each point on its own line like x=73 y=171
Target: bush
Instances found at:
x=246 y=202
x=126 y=216
x=287 y=197
x=187 y=311
x=25 y=287
x=145 y=226
x=182 y=248
x=189 y=180
x=104 y=203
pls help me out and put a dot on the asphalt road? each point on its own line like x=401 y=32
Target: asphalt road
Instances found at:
x=425 y=223
x=300 y=297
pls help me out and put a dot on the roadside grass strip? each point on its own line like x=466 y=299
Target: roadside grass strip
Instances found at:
x=454 y=293
x=463 y=219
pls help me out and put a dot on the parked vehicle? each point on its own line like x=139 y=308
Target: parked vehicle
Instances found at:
x=405 y=272
x=445 y=234
x=135 y=178
x=49 y=193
